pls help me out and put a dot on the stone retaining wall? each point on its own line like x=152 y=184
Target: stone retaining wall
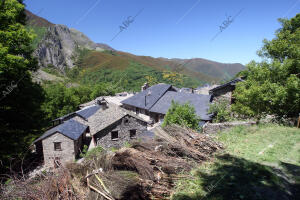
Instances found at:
x=211 y=128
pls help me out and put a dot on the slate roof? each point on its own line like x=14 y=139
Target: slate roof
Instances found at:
x=62 y=118
x=152 y=94
x=71 y=128
x=103 y=118
x=230 y=83
x=84 y=113
x=88 y=111
x=199 y=101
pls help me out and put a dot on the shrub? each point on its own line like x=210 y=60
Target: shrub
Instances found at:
x=93 y=152
x=222 y=111
x=183 y=115
x=84 y=151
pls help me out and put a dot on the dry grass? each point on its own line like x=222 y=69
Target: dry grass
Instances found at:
x=56 y=185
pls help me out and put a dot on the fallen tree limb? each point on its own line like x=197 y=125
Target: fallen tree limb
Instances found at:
x=98 y=191
x=101 y=182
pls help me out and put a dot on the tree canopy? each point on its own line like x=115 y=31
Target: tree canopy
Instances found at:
x=273 y=85
x=20 y=98
x=61 y=100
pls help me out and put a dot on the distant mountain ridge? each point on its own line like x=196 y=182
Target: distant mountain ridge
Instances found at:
x=211 y=68
x=59 y=48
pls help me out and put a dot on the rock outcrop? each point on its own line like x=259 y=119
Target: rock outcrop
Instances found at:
x=57 y=48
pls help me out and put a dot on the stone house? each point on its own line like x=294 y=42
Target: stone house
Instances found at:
x=62 y=143
x=115 y=126
x=225 y=91
x=198 y=101
x=142 y=102
x=154 y=102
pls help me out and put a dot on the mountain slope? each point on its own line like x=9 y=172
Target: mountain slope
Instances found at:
x=34 y=20
x=211 y=68
x=61 y=46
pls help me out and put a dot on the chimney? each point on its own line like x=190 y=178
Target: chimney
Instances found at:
x=145 y=86
x=102 y=102
x=148 y=94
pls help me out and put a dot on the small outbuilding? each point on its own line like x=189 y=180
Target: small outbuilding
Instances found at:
x=62 y=143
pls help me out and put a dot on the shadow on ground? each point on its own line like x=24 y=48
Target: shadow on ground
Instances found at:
x=294 y=172
x=237 y=178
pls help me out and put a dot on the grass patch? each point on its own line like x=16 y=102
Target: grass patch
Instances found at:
x=259 y=162
x=92 y=153
x=264 y=143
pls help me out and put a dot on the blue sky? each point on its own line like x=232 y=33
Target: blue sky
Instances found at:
x=173 y=28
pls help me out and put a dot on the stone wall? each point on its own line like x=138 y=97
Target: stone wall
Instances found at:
x=223 y=94
x=123 y=126
x=66 y=154
x=211 y=128
x=224 y=97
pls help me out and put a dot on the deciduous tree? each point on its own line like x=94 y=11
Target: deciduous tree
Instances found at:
x=273 y=85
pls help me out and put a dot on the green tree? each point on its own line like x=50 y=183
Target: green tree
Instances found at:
x=103 y=89
x=20 y=98
x=273 y=85
x=183 y=115
x=60 y=101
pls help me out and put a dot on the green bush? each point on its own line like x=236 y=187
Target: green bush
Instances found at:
x=222 y=111
x=93 y=152
x=183 y=115
x=84 y=151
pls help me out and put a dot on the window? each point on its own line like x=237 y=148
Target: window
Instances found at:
x=126 y=121
x=114 y=135
x=132 y=133
x=57 y=146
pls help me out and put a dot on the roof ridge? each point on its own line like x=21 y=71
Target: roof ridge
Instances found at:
x=161 y=96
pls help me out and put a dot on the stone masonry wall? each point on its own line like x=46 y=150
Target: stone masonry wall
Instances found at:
x=103 y=138
x=66 y=154
x=78 y=144
x=211 y=128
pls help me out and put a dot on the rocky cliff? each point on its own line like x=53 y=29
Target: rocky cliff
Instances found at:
x=57 y=48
